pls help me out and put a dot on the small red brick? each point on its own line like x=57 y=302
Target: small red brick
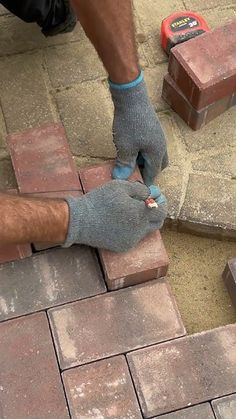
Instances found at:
x=94 y=176
x=9 y=253
x=30 y=379
x=148 y=260
x=185 y=371
x=229 y=277
x=205 y=67
x=196 y=119
x=103 y=389
x=115 y=323
x=42 y=160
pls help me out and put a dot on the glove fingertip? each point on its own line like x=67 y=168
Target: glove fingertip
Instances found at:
x=122 y=172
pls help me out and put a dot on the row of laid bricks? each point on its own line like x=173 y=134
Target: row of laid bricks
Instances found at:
x=167 y=376
x=44 y=166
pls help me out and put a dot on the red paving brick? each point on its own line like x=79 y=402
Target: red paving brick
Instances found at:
x=42 y=160
x=201 y=411
x=225 y=408
x=229 y=277
x=191 y=370
x=172 y=94
x=210 y=73
x=30 y=380
x=102 y=389
x=48 y=279
x=9 y=253
x=94 y=176
x=148 y=260
x=115 y=323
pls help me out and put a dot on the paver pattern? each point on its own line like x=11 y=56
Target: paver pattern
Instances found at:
x=60 y=79
x=128 y=349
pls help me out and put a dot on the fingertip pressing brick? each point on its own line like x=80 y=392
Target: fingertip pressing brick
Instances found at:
x=205 y=67
x=186 y=371
x=30 y=379
x=196 y=119
x=148 y=260
x=102 y=389
x=115 y=323
x=42 y=160
x=229 y=277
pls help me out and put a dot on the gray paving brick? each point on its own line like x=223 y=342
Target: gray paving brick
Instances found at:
x=17 y=36
x=225 y=408
x=198 y=5
x=88 y=124
x=170 y=182
x=118 y=322
x=186 y=371
x=73 y=63
x=218 y=133
x=209 y=206
x=31 y=386
x=222 y=162
x=154 y=79
x=24 y=96
x=102 y=389
x=219 y=16
x=48 y=279
x=200 y=411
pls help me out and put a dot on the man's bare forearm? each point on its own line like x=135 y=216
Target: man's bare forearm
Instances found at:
x=110 y=27
x=28 y=220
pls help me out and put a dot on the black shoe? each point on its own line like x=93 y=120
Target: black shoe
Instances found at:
x=64 y=27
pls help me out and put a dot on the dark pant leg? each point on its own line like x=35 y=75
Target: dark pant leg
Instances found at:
x=48 y=14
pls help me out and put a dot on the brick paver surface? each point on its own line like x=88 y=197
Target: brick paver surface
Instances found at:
x=115 y=323
x=51 y=278
x=61 y=79
x=200 y=411
x=187 y=371
x=225 y=408
x=103 y=389
x=30 y=384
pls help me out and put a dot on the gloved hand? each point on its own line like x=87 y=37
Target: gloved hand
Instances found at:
x=114 y=216
x=137 y=130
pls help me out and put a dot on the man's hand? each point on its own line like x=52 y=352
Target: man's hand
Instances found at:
x=114 y=216
x=137 y=132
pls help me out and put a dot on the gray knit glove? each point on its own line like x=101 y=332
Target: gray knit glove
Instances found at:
x=137 y=132
x=114 y=216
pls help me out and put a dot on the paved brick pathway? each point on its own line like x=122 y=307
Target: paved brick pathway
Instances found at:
x=69 y=347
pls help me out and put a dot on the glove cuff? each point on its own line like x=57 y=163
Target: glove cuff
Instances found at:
x=125 y=86
x=74 y=222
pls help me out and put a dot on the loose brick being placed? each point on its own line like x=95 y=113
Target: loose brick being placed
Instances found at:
x=42 y=160
x=148 y=260
x=103 y=389
x=229 y=277
x=48 y=279
x=200 y=411
x=225 y=408
x=204 y=68
x=196 y=119
x=186 y=371
x=115 y=323
x=31 y=385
